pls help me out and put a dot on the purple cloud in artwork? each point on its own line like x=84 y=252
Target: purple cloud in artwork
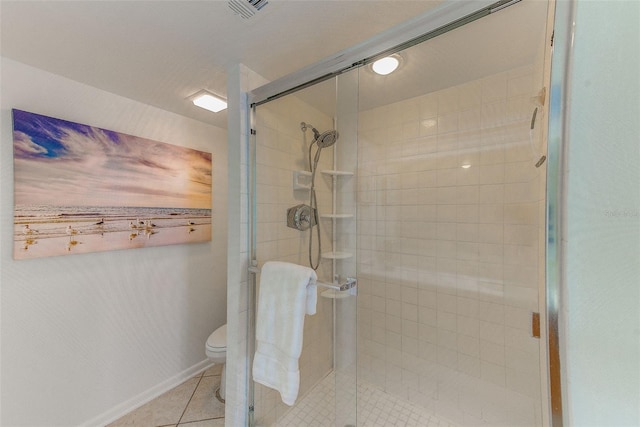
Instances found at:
x=83 y=165
x=78 y=189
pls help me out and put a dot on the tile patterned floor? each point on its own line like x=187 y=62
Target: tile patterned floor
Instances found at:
x=191 y=404
x=375 y=409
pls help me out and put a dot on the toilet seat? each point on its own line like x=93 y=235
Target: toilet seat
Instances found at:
x=216 y=346
x=216 y=349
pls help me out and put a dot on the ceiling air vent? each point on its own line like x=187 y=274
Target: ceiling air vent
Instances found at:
x=246 y=8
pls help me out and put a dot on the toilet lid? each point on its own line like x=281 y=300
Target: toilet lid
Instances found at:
x=218 y=339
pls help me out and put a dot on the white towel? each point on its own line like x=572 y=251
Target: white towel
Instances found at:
x=287 y=292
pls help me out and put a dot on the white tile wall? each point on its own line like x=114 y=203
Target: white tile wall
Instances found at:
x=448 y=258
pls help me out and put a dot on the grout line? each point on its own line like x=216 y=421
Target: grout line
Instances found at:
x=205 y=419
x=192 y=394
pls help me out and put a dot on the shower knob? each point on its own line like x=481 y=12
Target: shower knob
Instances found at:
x=301 y=217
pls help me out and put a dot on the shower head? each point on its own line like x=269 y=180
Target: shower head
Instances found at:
x=326 y=139
x=323 y=140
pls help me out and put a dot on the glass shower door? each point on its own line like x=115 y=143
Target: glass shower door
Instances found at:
x=451 y=180
x=305 y=214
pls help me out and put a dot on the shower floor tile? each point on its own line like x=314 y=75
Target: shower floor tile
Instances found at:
x=375 y=409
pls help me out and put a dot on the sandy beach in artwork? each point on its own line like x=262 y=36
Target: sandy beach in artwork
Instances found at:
x=35 y=238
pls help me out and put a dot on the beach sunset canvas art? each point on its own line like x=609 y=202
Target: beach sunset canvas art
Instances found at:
x=82 y=189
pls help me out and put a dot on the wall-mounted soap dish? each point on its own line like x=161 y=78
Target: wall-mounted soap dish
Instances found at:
x=301 y=180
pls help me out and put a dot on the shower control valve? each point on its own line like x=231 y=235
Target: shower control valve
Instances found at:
x=301 y=217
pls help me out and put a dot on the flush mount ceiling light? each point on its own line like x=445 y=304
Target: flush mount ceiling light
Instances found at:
x=386 y=65
x=208 y=101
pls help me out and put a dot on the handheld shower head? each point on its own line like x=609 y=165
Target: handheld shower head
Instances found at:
x=326 y=139
x=323 y=140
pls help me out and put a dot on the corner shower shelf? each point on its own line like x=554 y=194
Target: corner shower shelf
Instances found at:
x=336 y=255
x=336 y=216
x=337 y=173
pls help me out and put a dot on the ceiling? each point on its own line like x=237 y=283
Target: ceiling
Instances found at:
x=499 y=42
x=161 y=52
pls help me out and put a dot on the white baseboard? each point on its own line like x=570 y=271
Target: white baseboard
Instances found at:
x=135 y=402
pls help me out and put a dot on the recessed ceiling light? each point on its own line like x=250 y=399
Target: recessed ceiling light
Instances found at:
x=209 y=101
x=466 y=166
x=386 y=65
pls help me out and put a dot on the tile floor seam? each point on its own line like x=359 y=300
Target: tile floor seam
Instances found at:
x=198 y=421
x=184 y=411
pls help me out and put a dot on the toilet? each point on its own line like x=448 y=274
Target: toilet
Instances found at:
x=216 y=349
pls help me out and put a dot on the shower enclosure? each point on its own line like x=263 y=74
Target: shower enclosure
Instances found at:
x=430 y=195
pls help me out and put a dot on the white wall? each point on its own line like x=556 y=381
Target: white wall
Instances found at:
x=603 y=216
x=86 y=337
